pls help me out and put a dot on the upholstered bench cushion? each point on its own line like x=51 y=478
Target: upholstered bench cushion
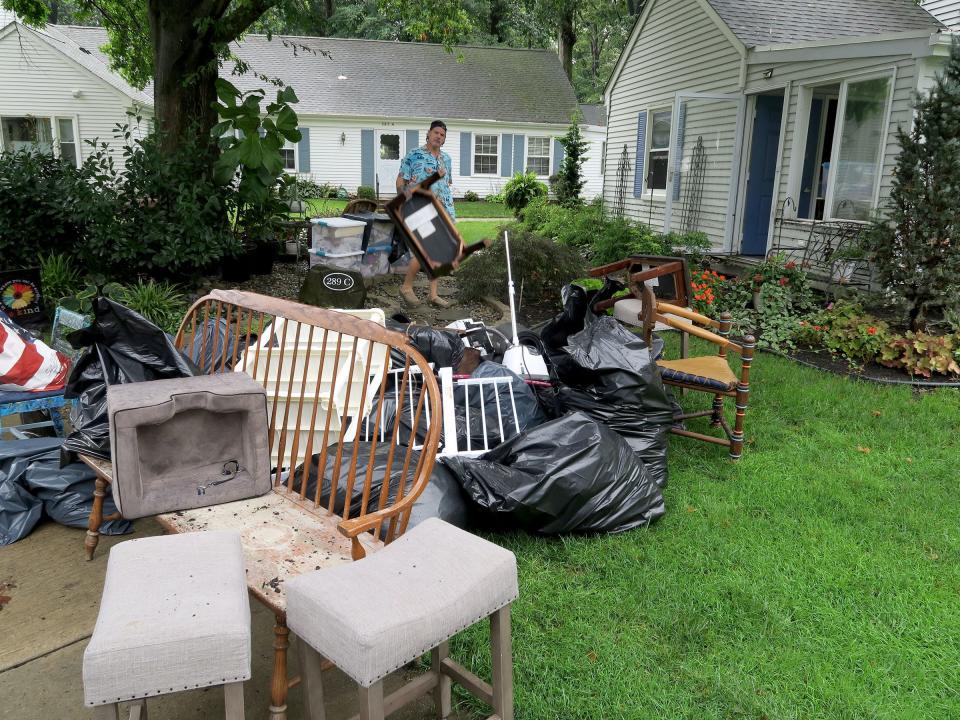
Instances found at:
x=371 y=616
x=706 y=371
x=174 y=615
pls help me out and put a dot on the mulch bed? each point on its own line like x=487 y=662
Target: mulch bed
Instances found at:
x=872 y=372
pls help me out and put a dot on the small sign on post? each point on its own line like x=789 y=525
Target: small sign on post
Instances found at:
x=21 y=297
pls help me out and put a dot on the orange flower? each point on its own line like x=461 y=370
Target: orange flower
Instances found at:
x=871 y=330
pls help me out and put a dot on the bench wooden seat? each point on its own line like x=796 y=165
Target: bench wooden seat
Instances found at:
x=323 y=371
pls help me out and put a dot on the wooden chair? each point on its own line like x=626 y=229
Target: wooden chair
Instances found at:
x=322 y=371
x=668 y=277
x=710 y=374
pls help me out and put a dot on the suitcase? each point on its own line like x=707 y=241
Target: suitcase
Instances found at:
x=188 y=442
x=429 y=231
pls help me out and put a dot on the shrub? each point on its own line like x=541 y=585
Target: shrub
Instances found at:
x=569 y=180
x=159 y=302
x=59 y=277
x=920 y=353
x=494 y=197
x=845 y=329
x=521 y=190
x=917 y=251
x=304 y=188
x=694 y=245
x=471 y=196
x=46 y=205
x=540 y=268
x=365 y=192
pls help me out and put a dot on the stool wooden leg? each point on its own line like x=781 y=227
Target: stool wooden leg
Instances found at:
x=501 y=660
x=441 y=695
x=106 y=712
x=138 y=710
x=96 y=517
x=371 y=701
x=312 y=678
x=279 y=686
x=233 y=701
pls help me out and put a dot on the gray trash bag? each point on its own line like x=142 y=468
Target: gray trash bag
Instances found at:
x=207 y=348
x=624 y=392
x=568 y=475
x=31 y=481
x=442 y=498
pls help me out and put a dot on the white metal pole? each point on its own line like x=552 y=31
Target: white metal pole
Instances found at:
x=513 y=308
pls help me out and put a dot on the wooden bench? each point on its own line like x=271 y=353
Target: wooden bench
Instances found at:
x=323 y=371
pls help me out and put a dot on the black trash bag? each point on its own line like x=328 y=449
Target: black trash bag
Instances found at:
x=121 y=347
x=568 y=475
x=442 y=498
x=388 y=416
x=443 y=348
x=555 y=333
x=32 y=480
x=626 y=393
x=483 y=417
x=207 y=349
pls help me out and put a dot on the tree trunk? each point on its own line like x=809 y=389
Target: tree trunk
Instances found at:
x=53 y=16
x=328 y=9
x=635 y=7
x=498 y=15
x=185 y=73
x=566 y=39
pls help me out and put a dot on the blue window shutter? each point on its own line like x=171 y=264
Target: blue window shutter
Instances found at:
x=641 y=154
x=557 y=156
x=678 y=160
x=466 y=153
x=413 y=139
x=303 y=150
x=506 y=155
x=262 y=133
x=518 y=147
x=366 y=158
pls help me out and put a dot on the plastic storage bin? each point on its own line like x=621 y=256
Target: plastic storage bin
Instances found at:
x=337 y=241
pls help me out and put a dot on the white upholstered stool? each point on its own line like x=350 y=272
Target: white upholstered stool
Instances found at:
x=174 y=616
x=373 y=616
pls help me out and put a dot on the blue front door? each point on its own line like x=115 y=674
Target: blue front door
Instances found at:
x=761 y=174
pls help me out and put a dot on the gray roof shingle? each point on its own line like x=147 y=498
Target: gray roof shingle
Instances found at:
x=397 y=79
x=762 y=22
x=593 y=114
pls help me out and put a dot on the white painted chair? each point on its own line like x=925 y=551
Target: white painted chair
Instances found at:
x=174 y=616
x=373 y=616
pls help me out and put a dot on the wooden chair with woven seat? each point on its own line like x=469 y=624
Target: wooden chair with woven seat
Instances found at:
x=361 y=205
x=710 y=373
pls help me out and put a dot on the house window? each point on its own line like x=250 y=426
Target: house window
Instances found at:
x=843 y=156
x=538 y=155
x=41 y=134
x=289 y=154
x=485 y=154
x=389 y=147
x=68 y=143
x=659 y=150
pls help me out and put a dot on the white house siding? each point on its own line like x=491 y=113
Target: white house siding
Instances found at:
x=946 y=11
x=809 y=72
x=36 y=79
x=337 y=160
x=679 y=49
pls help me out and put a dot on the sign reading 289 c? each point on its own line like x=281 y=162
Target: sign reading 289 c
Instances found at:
x=338 y=282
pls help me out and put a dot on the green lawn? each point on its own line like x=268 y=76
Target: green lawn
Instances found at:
x=479 y=209
x=479 y=230
x=818 y=577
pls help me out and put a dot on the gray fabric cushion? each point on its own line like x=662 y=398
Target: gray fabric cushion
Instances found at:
x=174 y=615
x=371 y=616
x=170 y=437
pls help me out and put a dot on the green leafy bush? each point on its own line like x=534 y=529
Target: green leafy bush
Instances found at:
x=845 y=329
x=540 y=268
x=920 y=353
x=365 y=192
x=521 y=189
x=304 y=188
x=159 y=302
x=471 y=196
x=569 y=181
x=59 y=277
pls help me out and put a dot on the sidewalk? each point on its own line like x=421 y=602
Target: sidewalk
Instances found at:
x=54 y=595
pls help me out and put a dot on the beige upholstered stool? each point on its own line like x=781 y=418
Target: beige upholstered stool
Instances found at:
x=174 y=616
x=373 y=616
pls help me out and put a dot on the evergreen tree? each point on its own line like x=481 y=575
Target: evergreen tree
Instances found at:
x=916 y=249
x=569 y=181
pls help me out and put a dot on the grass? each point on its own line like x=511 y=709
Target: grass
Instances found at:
x=818 y=577
x=479 y=230
x=481 y=209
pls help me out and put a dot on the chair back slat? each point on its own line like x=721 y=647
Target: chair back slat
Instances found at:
x=326 y=375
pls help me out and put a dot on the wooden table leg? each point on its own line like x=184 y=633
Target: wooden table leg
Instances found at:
x=96 y=517
x=279 y=687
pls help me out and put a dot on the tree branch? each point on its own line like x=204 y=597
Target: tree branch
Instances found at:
x=232 y=26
